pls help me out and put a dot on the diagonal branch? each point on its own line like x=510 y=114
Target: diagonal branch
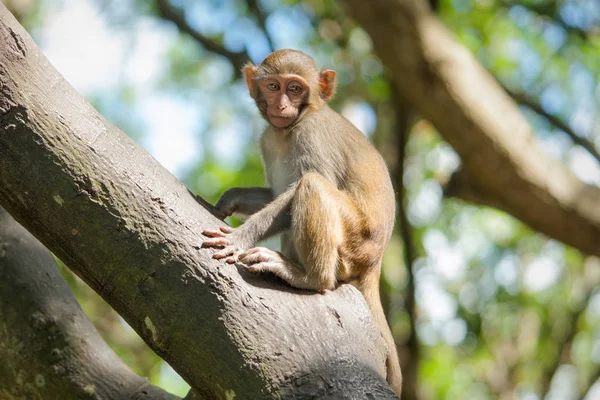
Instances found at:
x=47 y=337
x=262 y=21
x=522 y=98
x=168 y=12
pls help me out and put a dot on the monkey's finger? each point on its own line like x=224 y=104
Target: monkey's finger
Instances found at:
x=211 y=233
x=226 y=229
x=260 y=254
x=245 y=255
x=226 y=252
x=264 y=267
x=257 y=255
x=217 y=242
x=231 y=260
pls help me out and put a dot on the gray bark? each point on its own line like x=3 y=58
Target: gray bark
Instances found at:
x=48 y=347
x=502 y=163
x=132 y=232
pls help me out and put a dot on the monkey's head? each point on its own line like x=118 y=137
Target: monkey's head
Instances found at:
x=287 y=85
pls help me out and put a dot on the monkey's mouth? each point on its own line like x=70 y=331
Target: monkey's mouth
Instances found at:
x=282 y=121
x=284 y=116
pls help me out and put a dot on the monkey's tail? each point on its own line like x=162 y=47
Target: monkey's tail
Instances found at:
x=369 y=287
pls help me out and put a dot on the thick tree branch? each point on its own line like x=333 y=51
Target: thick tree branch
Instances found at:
x=48 y=347
x=446 y=85
x=527 y=101
x=133 y=232
x=462 y=186
x=168 y=12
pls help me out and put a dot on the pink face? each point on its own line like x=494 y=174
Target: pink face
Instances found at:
x=284 y=95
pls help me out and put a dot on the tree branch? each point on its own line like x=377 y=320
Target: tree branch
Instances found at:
x=49 y=349
x=564 y=345
x=168 y=12
x=410 y=361
x=445 y=84
x=462 y=186
x=262 y=21
x=525 y=100
x=130 y=230
x=590 y=382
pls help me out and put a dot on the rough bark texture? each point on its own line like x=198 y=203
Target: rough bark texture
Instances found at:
x=502 y=163
x=132 y=232
x=48 y=347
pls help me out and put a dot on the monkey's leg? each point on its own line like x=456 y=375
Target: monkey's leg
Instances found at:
x=324 y=220
x=318 y=210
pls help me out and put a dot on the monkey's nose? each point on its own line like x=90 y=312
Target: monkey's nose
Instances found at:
x=281 y=108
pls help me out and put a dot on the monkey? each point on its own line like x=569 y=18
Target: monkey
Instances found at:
x=330 y=194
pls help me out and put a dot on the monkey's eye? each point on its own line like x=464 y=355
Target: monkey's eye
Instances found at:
x=295 y=88
x=273 y=86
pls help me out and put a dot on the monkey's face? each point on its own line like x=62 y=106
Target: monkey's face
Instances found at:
x=285 y=96
x=287 y=85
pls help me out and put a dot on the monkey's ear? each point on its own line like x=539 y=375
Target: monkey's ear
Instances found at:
x=250 y=72
x=327 y=84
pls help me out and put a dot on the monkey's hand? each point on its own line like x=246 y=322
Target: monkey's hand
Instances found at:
x=230 y=241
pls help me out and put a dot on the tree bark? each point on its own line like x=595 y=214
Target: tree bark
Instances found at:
x=501 y=160
x=132 y=232
x=48 y=347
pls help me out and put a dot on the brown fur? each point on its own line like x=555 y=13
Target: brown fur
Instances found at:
x=332 y=194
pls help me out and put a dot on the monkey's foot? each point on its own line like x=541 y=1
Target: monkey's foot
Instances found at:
x=261 y=259
x=222 y=239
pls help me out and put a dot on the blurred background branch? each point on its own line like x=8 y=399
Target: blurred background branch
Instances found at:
x=527 y=101
x=170 y=13
x=410 y=349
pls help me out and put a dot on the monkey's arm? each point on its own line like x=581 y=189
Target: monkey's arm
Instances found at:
x=242 y=200
x=269 y=221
